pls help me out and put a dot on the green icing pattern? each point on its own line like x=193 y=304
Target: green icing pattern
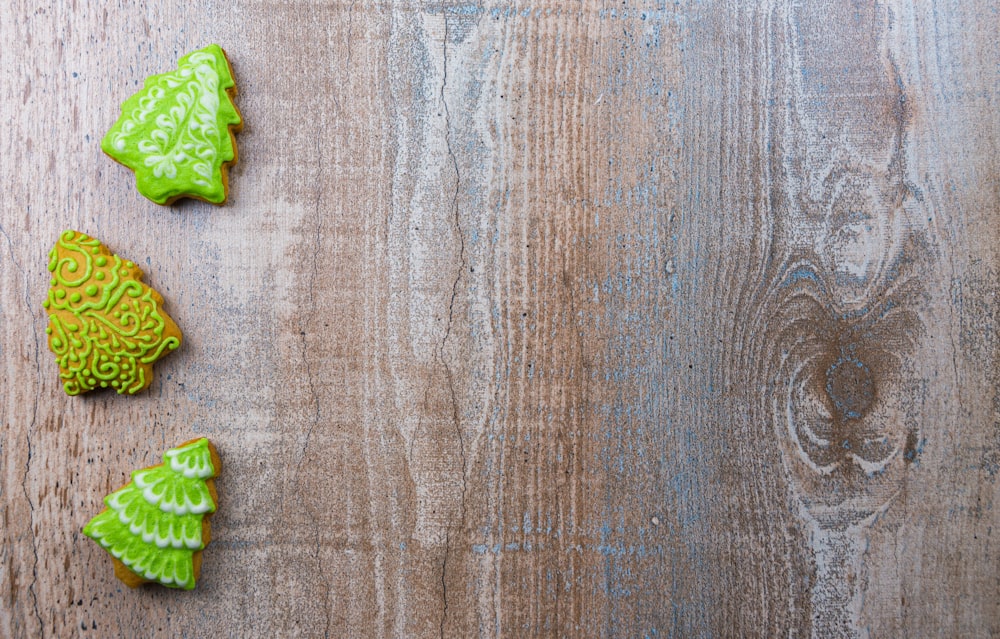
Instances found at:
x=155 y=533
x=106 y=327
x=174 y=133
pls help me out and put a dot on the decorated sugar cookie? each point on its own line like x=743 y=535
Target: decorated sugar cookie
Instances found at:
x=155 y=527
x=177 y=132
x=106 y=327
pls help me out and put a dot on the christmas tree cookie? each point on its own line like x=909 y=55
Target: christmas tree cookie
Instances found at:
x=155 y=527
x=106 y=327
x=177 y=132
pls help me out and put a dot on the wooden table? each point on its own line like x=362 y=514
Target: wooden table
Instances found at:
x=552 y=319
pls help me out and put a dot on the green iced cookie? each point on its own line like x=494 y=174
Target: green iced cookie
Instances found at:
x=177 y=132
x=154 y=526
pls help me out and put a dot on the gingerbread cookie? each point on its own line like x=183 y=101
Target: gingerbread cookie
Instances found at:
x=106 y=327
x=156 y=527
x=177 y=132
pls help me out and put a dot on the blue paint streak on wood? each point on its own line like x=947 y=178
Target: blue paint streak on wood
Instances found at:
x=637 y=432
x=653 y=573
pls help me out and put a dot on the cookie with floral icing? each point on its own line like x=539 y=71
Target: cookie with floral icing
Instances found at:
x=177 y=132
x=106 y=327
x=155 y=527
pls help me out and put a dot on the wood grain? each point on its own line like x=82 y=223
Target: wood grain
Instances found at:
x=548 y=319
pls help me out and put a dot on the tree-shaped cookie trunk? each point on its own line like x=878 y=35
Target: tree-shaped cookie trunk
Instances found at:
x=106 y=327
x=156 y=526
x=176 y=133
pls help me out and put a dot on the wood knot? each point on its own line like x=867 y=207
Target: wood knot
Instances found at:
x=850 y=387
x=845 y=400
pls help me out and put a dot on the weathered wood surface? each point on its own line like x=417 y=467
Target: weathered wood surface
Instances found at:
x=529 y=320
